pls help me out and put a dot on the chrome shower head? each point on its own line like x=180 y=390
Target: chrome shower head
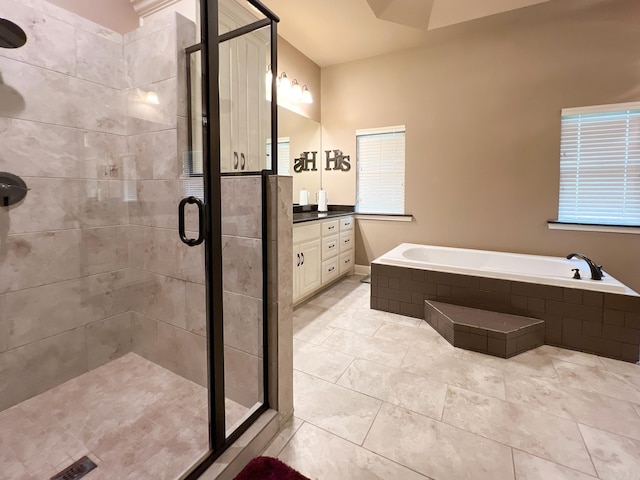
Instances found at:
x=11 y=35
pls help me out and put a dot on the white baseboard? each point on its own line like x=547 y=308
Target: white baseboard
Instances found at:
x=363 y=269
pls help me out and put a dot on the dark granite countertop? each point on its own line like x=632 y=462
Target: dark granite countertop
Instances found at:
x=309 y=213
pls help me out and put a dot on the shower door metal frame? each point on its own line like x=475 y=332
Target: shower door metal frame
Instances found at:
x=218 y=441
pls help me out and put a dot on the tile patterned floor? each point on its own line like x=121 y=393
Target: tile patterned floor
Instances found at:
x=135 y=419
x=381 y=396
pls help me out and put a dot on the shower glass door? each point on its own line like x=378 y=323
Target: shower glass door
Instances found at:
x=103 y=317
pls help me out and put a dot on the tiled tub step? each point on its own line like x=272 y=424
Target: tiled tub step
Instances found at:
x=494 y=333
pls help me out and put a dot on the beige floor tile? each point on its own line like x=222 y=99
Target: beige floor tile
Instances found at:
x=369 y=348
x=614 y=456
x=435 y=449
x=387 y=317
x=392 y=385
x=281 y=440
x=356 y=321
x=120 y=415
x=337 y=409
x=425 y=339
x=315 y=334
x=571 y=356
x=323 y=456
x=598 y=380
x=529 y=467
x=335 y=303
x=319 y=361
x=455 y=371
x=580 y=406
x=547 y=436
x=618 y=366
x=534 y=363
x=307 y=313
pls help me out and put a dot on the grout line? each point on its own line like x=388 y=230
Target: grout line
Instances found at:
x=586 y=447
x=513 y=462
x=371 y=425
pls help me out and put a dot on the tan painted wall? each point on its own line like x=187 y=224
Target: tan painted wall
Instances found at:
x=481 y=104
x=296 y=65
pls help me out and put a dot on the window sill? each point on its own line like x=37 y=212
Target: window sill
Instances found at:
x=387 y=217
x=588 y=227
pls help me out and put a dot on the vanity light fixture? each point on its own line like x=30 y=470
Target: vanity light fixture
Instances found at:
x=284 y=85
x=296 y=91
x=288 y=90
x=306 y=96
x=268 y=78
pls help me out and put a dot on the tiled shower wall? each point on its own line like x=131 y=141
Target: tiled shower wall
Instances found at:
x=91 y=263
x=167 y=325
x=64 y=250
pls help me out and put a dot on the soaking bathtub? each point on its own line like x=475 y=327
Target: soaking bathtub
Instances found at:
x=595 y=316
x=555 y=271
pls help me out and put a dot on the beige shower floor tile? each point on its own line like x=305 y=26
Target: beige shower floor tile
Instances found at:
x=133 y=418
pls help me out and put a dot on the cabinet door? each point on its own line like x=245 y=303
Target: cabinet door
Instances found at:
x=256 y=101
x=240 y=105
x=310 y=253
x=227 y=55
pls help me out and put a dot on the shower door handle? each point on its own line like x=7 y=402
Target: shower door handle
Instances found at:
x=192 y=242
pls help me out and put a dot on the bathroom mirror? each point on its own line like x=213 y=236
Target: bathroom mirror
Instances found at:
x=296 y=135
x=11 y=35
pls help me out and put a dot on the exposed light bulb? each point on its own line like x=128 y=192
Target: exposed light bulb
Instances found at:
x=285 y=85
x=296 y=91
x=268 y=80
x=306 y=95
x=152 y=98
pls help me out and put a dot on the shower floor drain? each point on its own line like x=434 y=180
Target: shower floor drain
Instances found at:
x=77 y=470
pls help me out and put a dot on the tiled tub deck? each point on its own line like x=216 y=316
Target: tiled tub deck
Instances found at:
x=606 y=324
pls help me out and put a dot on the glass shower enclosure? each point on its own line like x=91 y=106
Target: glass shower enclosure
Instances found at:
x=132 y=294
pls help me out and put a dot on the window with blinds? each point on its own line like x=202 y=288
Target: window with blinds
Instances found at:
x=380 y=170
x=284 y=156
x=600 y=165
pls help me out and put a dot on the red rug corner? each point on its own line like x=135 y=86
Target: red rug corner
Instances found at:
x=268 y=468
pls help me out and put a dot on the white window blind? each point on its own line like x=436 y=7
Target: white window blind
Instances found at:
x=380 y=174
x=600 y=165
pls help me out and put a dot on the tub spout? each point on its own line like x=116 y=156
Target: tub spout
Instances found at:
x=596 y=270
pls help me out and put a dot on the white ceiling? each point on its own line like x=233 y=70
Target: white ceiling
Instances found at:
x=337 y=31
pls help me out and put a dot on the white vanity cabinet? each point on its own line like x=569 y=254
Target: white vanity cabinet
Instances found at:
x=243 y=103
x=322 y=252
x=306 y=259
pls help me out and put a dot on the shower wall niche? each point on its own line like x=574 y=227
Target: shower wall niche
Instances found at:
x=91 y=266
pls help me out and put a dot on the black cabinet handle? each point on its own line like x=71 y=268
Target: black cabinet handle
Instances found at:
x=298 y=260
x=243 y=161
x=302 y=254
x=332 y=269
x=235 y=160
x=192 y=242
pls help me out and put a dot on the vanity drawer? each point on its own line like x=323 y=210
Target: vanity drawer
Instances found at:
x=346 y=262
x=330 y=246
x=330 y=227
x=330 y=270
x=304 y=233
x=346 y=223
x=346 y=241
